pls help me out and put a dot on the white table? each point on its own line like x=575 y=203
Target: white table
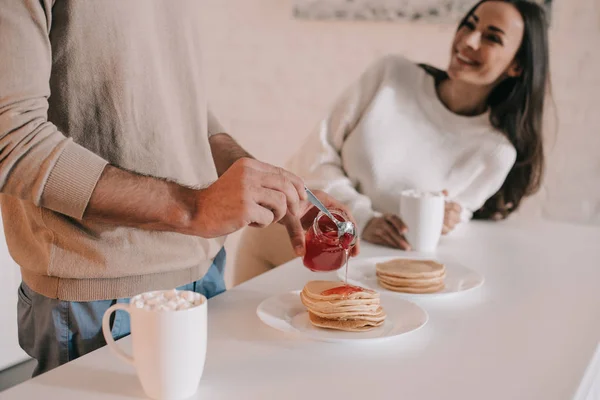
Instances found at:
x=531 y=332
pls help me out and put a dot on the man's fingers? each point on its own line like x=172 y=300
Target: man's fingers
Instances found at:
x=272 y=200
x=295 y=232
x=281 y=184
x=294 y=180
x=259 y=216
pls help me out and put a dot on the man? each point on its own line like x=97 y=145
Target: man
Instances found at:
x=115 y=178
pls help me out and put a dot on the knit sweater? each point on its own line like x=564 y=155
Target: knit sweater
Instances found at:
x=83 y=84
x=390 y=132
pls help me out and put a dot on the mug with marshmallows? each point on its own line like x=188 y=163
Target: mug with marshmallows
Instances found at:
x=423 y=214
x=168 y=333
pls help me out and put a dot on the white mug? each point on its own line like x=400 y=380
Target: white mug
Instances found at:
x=169 y=348
x=423 y=214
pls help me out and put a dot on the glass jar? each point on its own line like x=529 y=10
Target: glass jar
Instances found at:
x=324 y=251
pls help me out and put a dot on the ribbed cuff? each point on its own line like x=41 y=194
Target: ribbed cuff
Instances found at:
x=465 y=215
x=72 y=180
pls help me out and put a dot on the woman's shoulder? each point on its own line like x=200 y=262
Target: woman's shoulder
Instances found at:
x=397 y=64
x=395 y=70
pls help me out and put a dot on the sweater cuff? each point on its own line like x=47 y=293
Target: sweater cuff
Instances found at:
x=72 y=180
x=465 y=215
x=362 y=217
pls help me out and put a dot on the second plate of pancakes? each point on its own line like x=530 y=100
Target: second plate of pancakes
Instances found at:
x=427 y=277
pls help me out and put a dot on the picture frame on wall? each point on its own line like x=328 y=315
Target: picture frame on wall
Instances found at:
x=388 y=10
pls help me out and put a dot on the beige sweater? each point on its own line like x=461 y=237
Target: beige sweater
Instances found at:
x=83 y=83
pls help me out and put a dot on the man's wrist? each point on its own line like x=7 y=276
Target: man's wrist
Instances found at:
x=183 y=208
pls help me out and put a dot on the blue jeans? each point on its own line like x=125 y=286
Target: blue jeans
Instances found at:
x=54 y=332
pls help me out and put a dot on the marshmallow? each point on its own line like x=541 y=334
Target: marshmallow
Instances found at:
x=420 y=193
x=168 y=300
x=189 y=296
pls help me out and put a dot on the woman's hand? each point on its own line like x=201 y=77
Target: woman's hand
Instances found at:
x=387 y=230
x=451 y=217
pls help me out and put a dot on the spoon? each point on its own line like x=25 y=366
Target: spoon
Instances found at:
x=343 y=227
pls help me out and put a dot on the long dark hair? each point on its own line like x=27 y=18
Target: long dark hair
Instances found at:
x=516 y=109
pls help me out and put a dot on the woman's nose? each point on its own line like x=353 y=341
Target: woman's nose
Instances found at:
x=473 y=40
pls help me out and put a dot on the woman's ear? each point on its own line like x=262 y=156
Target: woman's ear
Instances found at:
x=514 y=70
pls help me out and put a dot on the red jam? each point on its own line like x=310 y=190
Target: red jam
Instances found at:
x=324 y=250
x=346 y=241
x=345 y=290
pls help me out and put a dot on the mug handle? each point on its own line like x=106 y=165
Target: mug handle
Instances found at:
x=106 y=331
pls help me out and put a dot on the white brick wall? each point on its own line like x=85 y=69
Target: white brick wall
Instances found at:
x=272 y=78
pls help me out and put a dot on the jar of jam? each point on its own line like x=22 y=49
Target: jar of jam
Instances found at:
x=324 y=250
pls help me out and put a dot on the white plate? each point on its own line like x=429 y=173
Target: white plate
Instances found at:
x=285 y=312
x=458 y=277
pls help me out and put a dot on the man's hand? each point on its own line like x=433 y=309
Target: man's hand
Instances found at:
x=387 y=230
x=248 y=193
x=297 y=225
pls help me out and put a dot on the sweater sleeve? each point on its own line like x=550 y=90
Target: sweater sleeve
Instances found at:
x=320 y=162
x=37 y=162
x=486 y=181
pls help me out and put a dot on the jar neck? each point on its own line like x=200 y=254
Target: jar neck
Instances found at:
x=319 y=232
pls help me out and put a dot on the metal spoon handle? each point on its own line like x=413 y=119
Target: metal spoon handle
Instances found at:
x=317 y=203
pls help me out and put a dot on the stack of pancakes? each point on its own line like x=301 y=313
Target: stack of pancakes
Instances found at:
x=356 y=311
x=411 y=276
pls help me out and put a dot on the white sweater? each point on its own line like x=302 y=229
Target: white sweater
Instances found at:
x=390 y=132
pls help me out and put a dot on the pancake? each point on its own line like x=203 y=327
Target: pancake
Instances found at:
x=335 y=305
x=355 y=325
x=415 y=290
x=410 y=269
x=314 y=290
x=411 y=282
x=339 y=303
x=371 y=317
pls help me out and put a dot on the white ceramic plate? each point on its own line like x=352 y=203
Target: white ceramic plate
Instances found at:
x=285 y=312
x=458 y=279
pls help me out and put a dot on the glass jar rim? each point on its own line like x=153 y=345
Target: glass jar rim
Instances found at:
x=336 y=213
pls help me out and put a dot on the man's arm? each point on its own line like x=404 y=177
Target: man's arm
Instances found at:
x=248 y=193
x=38 y=163
x=128 y=199
x=225 y=151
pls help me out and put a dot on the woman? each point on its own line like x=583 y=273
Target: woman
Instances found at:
x=474 y=131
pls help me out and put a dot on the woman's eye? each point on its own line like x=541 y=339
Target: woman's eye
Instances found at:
x=495 y=39
x=469 y=25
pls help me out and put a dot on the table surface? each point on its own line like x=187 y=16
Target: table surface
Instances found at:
x=530 y=332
